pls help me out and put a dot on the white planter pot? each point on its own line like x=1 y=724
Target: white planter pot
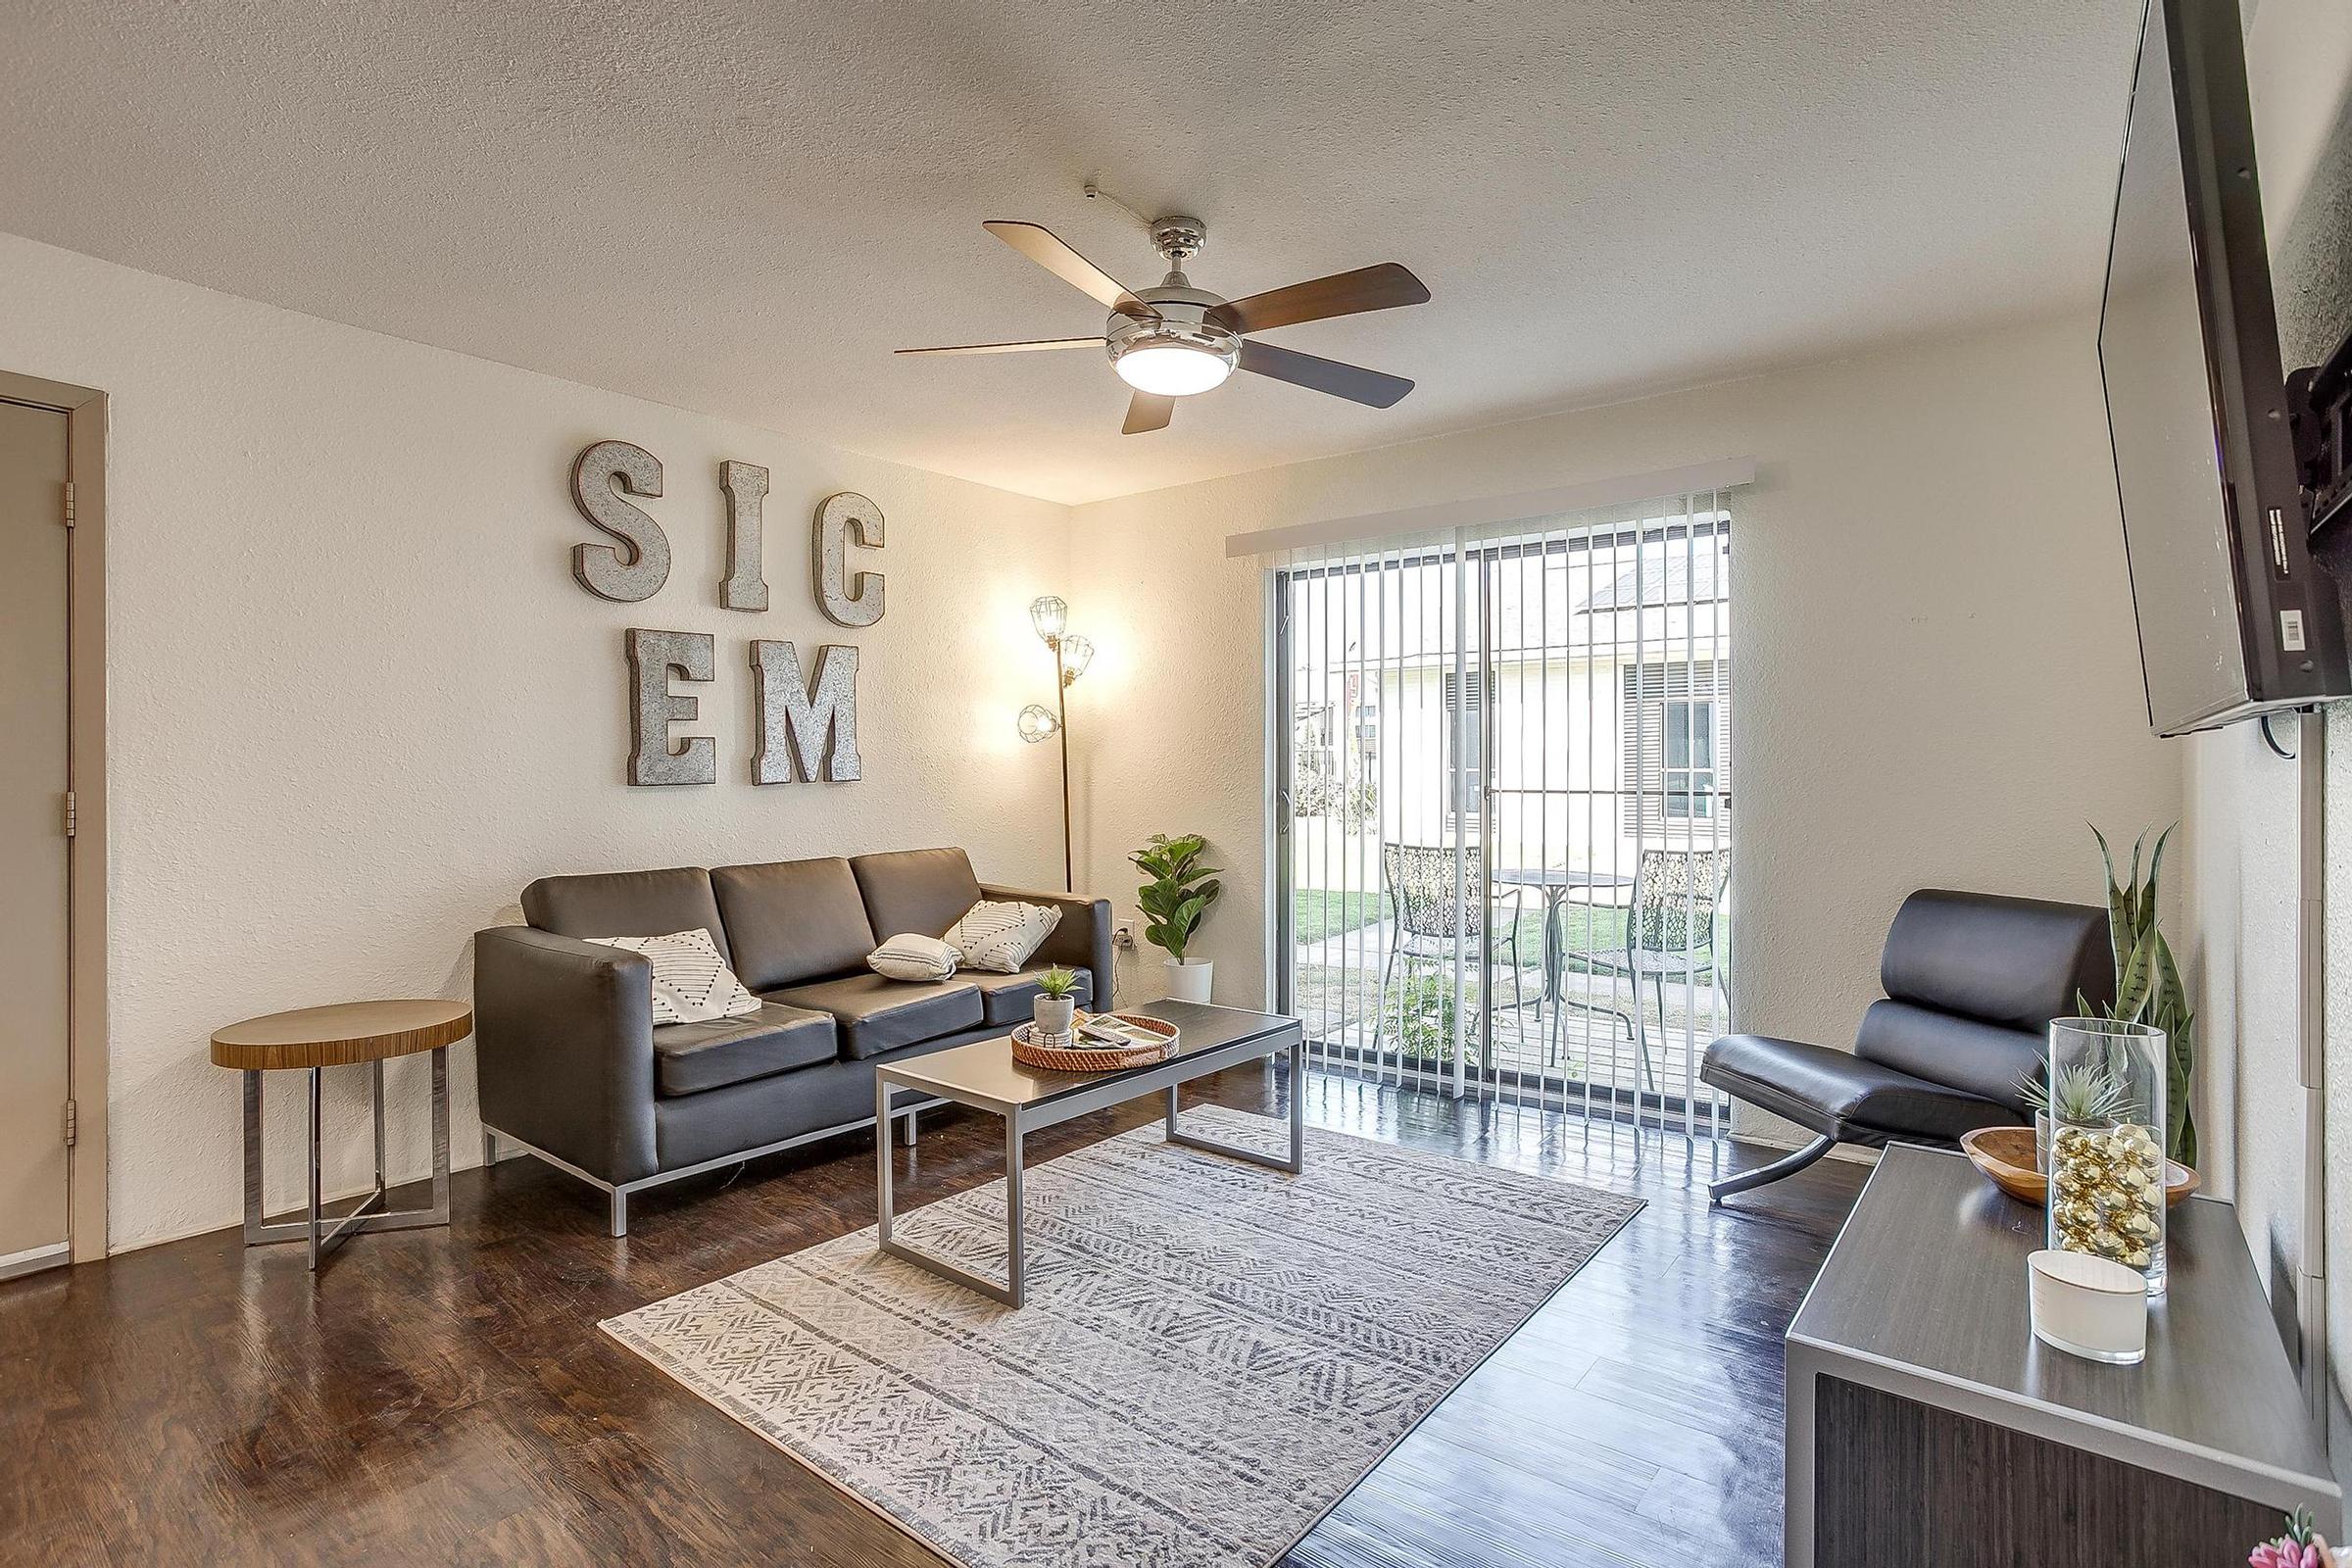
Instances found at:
x=1188 y=978
x=1054 y=1015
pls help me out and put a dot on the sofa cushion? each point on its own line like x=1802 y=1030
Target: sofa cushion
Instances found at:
x=1007 y=998
x=689 y=1058
x=1842 y=1095
x=914 y=957
x=628 y=904
x=872 y=1014
x=925 y=891
x=793 y=921
x=1000 y=937
x=692 y=983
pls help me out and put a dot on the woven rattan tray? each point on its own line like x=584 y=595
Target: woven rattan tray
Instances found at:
x=1070 y=1059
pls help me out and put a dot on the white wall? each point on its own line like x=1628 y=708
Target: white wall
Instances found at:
x=358 y=701
x=1937 y=681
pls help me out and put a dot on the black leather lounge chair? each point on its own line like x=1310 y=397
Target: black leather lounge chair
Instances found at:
x=1972 y=982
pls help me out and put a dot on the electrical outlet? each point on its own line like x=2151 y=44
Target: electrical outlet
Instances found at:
x=1122 y=936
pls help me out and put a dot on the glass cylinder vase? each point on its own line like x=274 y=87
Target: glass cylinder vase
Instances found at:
x=2107 y=1120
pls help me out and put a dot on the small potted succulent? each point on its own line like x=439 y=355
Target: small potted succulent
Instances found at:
x=1056 y=1006
x=2082 y=1096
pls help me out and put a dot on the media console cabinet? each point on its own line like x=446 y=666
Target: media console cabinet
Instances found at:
x=1928 y=1428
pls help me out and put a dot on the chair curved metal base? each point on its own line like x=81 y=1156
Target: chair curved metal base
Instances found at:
x=1786 y=1165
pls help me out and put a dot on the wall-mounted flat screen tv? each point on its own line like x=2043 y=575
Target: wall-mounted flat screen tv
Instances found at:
x=2234 y=619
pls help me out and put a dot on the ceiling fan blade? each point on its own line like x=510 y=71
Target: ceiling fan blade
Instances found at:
x=1050 y=253
x=1367 y=288
x=1012 y=348
x=1147 y=412
x=1351 y=382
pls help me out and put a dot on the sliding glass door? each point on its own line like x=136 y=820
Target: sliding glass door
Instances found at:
x=1505 y=838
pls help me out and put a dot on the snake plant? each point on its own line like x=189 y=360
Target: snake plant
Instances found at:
x=2147 y=985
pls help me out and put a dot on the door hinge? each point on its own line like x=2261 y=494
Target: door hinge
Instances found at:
x=68 y=503
x=73 y=815
x=72 y=1124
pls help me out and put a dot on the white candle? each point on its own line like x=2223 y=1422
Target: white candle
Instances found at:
x=2088 y=1306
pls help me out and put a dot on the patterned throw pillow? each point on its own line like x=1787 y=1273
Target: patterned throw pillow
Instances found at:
x=1000 y=937
x=913 y=956
x=692 y=983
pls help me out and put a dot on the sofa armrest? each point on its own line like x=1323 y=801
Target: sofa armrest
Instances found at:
x=563 y=1048
x=1082 y=939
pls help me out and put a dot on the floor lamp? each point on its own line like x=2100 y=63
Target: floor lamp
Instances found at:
x=1071 y=654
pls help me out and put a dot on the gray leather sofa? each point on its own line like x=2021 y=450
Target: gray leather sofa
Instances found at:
x=573 y=1069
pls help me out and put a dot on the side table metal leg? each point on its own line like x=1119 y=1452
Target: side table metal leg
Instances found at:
x=253 y=1158
x=317 y=1078
x=375 y=1085
x=440 y=1210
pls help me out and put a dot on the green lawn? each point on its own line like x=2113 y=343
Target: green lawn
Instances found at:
x=1320 y=913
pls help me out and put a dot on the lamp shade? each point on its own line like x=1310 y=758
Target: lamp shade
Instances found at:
x=1077 y=653
x=1049 y=615
x=1038 y=723
x=1171 y=369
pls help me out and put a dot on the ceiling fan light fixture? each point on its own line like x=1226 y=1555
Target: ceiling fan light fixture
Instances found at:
x=1172 y=370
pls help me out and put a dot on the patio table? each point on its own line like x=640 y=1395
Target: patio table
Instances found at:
x=1558 y=885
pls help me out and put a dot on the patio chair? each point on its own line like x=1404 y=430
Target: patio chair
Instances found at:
x=1433 y=905
x=1669 y=931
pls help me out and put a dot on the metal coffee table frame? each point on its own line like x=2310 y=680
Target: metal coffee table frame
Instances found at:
x=1085 y=1096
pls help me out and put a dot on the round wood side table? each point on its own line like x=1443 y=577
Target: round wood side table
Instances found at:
x=312 y=1039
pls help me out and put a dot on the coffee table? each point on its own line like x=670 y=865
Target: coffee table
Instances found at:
x=984 y=1076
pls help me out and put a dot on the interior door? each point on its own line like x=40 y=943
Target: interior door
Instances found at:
x=34 y=1223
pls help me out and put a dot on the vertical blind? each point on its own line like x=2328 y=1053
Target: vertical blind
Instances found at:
x=1504 y=812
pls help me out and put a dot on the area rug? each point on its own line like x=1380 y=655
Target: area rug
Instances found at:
x=1212 y=1353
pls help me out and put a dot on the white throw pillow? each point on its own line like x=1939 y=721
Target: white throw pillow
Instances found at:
x=692 y=983
x=910 y=956
x=1000 y=937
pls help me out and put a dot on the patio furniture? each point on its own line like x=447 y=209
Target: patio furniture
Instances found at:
x=1435 y=900
x=1669 y=930
x=1557 y=886
x=1972 y=983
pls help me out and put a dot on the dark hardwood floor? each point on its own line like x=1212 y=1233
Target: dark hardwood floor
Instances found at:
x=446 y=1396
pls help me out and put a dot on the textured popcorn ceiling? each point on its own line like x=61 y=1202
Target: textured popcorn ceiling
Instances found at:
x=740 y=208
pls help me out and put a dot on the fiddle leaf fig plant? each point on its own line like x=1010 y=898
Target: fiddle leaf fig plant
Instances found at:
x=1180 y=890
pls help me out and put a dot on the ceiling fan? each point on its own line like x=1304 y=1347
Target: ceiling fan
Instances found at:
x=1175 y=340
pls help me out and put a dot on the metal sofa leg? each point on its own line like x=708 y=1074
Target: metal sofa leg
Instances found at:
x=906 y=1129
x=621 y=1213
x=1786 y=1165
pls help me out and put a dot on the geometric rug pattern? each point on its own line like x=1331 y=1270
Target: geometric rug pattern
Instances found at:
x=1211 y=1355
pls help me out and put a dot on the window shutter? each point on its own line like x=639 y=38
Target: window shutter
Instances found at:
x=1649 y=688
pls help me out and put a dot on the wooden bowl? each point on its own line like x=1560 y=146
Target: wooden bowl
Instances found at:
x=2005 y=1155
